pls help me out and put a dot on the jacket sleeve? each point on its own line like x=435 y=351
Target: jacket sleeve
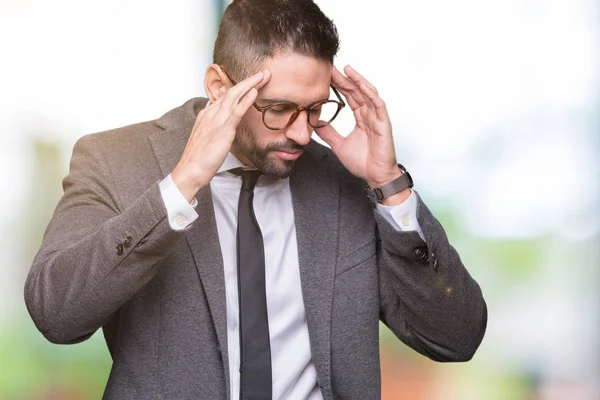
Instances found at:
x=427 y=297
x=95 y=255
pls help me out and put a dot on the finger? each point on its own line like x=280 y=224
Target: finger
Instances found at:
x=348 y=89
x=234 y=95
x=241 y=108
x=265 y=80
x=378 y=103
x=357 y=78
x=330 y=136
x=361 y=83
x=207 y=111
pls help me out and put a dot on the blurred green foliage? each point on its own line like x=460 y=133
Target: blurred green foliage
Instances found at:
x=33 y=368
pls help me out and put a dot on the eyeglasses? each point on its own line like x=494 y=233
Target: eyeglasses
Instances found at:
x=280 y=115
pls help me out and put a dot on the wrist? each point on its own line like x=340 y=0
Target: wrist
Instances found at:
x=386 y=178
x=396 y=199
x=187 y=185
x=391 y=191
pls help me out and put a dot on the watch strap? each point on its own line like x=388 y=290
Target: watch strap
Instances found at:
x=400 y=183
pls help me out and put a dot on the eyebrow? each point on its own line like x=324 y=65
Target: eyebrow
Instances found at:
x=271 y=101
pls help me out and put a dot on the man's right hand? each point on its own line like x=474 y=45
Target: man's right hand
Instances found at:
x=213 y=134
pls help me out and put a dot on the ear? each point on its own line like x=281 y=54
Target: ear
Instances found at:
x=216 y=82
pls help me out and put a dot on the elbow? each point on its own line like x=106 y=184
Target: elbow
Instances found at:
x=58 y=336
x=45 y=319
x=469 y=342
x=459 y=354
x=55 y=329
x=47 y=314
x=461 y=345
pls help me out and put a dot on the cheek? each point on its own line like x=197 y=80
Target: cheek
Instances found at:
x=257 y=134
x=252 y=118
x=252 y=123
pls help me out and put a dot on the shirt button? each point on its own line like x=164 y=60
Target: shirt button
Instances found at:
x=405 y=221
x=179 y=220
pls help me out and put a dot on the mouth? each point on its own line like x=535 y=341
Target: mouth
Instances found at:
x=288 y=154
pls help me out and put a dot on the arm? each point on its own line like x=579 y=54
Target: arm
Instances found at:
x=97 y=254
x=79 y=277
x=427 y=297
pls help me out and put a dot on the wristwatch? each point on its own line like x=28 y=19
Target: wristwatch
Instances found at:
x=400 y=183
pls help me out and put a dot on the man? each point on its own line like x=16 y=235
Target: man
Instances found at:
x=227 y=255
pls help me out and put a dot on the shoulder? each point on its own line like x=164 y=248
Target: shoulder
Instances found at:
x=330 y=161
x=118 y=137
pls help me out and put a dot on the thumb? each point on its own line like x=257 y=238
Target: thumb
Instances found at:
x=330 y=136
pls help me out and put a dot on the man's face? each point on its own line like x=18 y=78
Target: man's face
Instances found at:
x=295 y=78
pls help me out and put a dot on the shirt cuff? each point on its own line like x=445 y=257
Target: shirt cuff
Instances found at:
x=180 y=213
x=403 y=217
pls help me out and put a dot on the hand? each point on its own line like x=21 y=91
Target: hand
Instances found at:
x=368 y=151
x=213 y=134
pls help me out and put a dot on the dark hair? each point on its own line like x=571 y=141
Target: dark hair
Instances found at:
x=252 y=30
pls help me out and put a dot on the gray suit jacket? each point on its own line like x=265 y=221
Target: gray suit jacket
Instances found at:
x=161 y=300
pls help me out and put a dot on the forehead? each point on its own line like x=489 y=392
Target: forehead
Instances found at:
x=295 y=77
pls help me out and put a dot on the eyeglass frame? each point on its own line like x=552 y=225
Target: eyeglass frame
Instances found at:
x=341 y=104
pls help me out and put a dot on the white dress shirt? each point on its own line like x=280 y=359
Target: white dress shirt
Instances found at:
x=294 y=374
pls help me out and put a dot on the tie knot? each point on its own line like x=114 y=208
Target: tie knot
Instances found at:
x=249 y=177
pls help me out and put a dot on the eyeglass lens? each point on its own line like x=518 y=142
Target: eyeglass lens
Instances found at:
x=280 y=115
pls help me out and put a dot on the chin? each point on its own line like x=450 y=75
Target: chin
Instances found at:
x=275 y=167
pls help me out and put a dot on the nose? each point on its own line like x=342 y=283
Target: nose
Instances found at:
x=300 y=131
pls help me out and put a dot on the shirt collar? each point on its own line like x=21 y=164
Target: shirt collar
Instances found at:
x=230 y=162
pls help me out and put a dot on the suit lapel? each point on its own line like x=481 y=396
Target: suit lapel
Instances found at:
x=202 y=239
x=315 y=197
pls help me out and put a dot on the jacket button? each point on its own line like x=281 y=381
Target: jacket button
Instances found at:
x=128 y=241
x=421 y=253
x=120 y=249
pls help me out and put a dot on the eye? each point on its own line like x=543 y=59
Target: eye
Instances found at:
x=282 y=108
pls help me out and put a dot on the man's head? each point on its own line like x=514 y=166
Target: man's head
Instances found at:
x=297 y=43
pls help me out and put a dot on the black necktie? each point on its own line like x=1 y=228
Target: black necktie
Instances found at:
x=255 y=347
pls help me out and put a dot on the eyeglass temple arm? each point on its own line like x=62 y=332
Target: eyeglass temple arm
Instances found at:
x=343 y=104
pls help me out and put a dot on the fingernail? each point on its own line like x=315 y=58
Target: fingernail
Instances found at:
x=259 y=74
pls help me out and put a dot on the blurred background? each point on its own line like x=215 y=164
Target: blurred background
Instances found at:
x=496 y=112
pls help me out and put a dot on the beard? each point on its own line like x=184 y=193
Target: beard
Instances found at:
x=246 y=143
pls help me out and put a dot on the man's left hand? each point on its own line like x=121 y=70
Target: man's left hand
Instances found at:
x=368 y=151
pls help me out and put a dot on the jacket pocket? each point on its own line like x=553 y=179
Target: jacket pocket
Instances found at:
x=361 y=254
